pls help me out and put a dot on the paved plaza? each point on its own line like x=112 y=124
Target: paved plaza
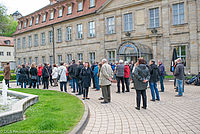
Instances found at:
x=170 y=115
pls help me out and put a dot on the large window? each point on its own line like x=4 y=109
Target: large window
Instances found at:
x=36 y=40
x=43 y=60
x=36 y=60
x=29 y=60
x=80 y=56
x=25 y=23
x=51 y=15
x=69 y=58
x=91 y=58
x=31 y=22
x=92 y=3
x=79 y=31
x=42 y=38
x=29 y=41
x=50 y=36
x=24 y=61
x=19 y=61
x=59 y=59
x=1 y=53
x=178 y=13
x=44 y=17
x=59 y=35
x=181 y=53
x=37 y=19
x=24 y=42
x=69 y=9
x=154 y=17
x=111 y=56
x=80 y=6
x=51 y=60
x=60 y=12
x=8 y=53
x=128 y=22
x=18 y=43
x=92 y=29
x=110 y=25
x=69 y=33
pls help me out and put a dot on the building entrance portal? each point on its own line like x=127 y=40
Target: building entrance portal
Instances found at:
x=130 y=51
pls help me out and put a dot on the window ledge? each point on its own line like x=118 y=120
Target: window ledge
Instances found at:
x=68 y=40
x=149 y=28
x=60 y=16
x=179 y=25
x=91 y=37
x=110 y=33
x=69 y=13
x=79 y=39
x=80 y=10
x=92 y=7
x=58 y=41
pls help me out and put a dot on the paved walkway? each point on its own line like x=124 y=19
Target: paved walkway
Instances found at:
x=170 y=115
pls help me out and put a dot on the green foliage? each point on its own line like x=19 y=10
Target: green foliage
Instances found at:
x=13 y=77
x=56 y=112
x=12 y=71
x=7 y=23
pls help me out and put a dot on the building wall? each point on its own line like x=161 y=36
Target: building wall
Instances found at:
x=161 y=43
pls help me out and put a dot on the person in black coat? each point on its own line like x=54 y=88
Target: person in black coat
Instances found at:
x=72 y=73
x=154 y=78
x=33 y=73
x=45 y=76
x=93 y=80
x=50 y=72
x=86 y=75
x=23 y=77
x=80 y=82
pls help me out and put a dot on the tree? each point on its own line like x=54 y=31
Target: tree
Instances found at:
x=7 y=23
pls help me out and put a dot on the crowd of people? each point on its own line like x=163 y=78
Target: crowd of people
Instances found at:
x=80 y=76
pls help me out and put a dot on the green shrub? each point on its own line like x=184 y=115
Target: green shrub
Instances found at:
x=13 y=77
x=12 y=71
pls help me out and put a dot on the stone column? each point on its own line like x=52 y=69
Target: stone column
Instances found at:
x=194 y=47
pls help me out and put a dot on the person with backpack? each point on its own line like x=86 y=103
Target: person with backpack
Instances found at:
x=72 y=72
x=154 y=78
x=45 y=76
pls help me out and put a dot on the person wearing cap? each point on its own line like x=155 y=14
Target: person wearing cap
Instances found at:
x=179 y=75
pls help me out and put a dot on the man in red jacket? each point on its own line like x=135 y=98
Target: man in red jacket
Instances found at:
x=40 y=67
x=127 y=75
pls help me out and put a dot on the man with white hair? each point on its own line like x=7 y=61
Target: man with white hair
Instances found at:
x=179 y=75
x=105 y=79
x=162 y=75
x=120 y=76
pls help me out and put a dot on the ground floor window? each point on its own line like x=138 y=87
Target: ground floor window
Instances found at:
x=51 y=60
x=59 y=59
x=36 y=60
x=181 y=53
x=19 y=61
x=69 y=58
x=24 y=61
x=30 y=61
x=111 y=56
x=43 y=60
x=80 y=56
x=91 y=58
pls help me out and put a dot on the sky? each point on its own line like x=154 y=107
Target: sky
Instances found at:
x=25 y=7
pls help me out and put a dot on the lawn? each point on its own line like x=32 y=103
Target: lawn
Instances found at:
x=56 y=112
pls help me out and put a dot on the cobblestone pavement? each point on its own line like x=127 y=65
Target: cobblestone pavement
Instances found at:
x=170 y=115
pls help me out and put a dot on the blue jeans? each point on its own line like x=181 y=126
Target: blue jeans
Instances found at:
x=17 y=75
x=65 y=86
x=96 y=79
x=161 y=83
x=23 y=84
x=74 y=81
x=180 y=86
x=154 y=89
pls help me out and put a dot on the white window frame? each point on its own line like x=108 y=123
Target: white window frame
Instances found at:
x=92 y=3
x=52 y=15
x=30 y=60
x=128 y=22
x=179 y=13
x=29 y=41
x=79 y=31
x=59 y=59
x=60 y=12
x=20 y=26
x=80 y=56
x=154 y=21
x=37 y=20
x=43 y=60
x=35 y=40
x=25 y=23
x=110 y=25
x=44 y=17
x=36 y=60
x=24 y=60
x=59 y=35
x=179 y=54
x=24 y=42
x=31 y=21
x=18 y=43
x=92 y=57
x=51 y=60
x=43 y=38
x=80 y=6
x=91 y=28
x=69 y=9
x=50 y=36
x=69 y=33
x=69 y=58
x=111 y=56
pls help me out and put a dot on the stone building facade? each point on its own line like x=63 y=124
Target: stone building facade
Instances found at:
x=90 y=30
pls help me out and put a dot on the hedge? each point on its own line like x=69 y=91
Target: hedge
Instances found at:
x=13 y=77
x=12 y=71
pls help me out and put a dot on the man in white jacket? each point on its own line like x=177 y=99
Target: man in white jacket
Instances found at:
x=62 y=71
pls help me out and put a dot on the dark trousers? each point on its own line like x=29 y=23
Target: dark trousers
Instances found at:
x=80 y=86
x=7 y=83
x=127 y=83
x=85 y=92
x=51 y=80
x=106 y=93
x=46 y=82
x=63 y=84
x=118 y=83
x=74 y=82
x=33 y=83
x=144 y=98
x=93 y=81
x=161 y=83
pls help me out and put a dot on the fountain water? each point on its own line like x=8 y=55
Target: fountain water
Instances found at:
x=4 y=92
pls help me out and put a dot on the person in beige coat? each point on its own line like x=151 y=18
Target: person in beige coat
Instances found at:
x=7 y=74
x=106 y=74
